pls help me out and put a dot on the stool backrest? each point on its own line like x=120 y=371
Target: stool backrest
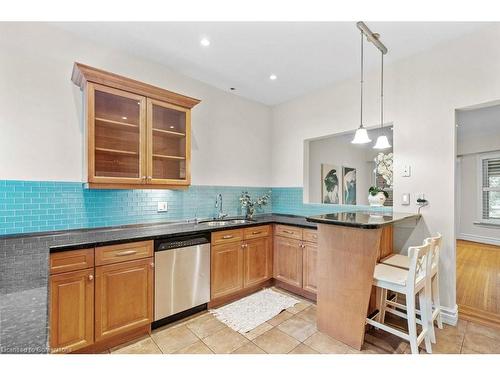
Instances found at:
x=435 y=243
x=419 y=267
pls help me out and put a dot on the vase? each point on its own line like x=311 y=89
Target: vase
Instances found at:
x=250 y=212
x=377 y=200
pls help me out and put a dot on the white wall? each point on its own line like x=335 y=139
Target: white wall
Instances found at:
x=422 y=93
x=40 y=111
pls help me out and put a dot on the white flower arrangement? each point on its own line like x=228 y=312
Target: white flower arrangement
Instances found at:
x=384 y=167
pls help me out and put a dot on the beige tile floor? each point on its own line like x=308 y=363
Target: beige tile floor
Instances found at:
x=294 y=332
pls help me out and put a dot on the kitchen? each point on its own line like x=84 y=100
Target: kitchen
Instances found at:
x=155 y=205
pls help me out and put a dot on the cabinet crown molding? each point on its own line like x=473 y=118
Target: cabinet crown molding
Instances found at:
x=83 y=73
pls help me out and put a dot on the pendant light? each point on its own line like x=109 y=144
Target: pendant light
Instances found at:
x=361 y=135
x=382 y=141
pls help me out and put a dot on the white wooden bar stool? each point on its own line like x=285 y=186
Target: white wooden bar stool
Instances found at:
x=403 y=261
x=411 y=282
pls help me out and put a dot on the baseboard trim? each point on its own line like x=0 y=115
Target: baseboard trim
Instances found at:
x=449 y=316
x=480 y=239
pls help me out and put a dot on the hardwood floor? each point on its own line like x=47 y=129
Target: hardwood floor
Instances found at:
x=478 y=282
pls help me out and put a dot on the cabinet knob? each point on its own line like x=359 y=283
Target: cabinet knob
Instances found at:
x=152 y=265
x=91 y=277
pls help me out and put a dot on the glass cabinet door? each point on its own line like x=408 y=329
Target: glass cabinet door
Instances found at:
x=168 y=141
x=117 y=120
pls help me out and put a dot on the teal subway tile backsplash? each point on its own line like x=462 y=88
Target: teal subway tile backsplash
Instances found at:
x=35 y=206
x=289 y=200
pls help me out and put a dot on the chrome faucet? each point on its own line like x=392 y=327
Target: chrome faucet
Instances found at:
x=218 y=204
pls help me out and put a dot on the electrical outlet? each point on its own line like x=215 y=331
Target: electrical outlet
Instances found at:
x=405 y=200
x=406 y=171
x=162 y=206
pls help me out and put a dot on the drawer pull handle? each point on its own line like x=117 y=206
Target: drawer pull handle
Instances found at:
x=288 y=231
x=227 y=236
x=126 y=252
x=259 y=232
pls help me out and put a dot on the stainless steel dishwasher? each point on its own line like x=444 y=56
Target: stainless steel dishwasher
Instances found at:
x=182 y=274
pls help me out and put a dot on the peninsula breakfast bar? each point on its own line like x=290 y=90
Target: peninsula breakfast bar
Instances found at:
x=349 y=245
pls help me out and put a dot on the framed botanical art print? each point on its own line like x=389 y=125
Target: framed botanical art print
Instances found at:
x=349 y=185
x=331 y=190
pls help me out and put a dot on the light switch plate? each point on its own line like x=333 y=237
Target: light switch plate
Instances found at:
x=162 y=206
x=406 y=171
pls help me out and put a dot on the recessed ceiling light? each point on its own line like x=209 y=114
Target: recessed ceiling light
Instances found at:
x=172 y=127
x=124 y=118
x=273 y=77
x=205 y=42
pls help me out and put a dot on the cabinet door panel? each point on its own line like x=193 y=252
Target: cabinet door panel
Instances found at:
x=116 y=135
x=123 y=297
x=71 y=310
x=309 y=266
x=257 y=261
x=288 y=261
x=226 y=269
x=169 y=142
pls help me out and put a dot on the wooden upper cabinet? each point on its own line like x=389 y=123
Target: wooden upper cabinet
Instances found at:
x=138 y=135
x=170 y=140
x=116 y=136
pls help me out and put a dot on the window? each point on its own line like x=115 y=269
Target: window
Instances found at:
x=490 y=188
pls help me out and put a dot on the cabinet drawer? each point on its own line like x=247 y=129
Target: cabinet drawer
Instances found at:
x=71 y=260
x=227 y=236
x=257 y=232
x=289 y=232
x=123 y=252
x=310 y=235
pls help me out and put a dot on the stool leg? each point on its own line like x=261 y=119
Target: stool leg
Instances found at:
x=412 y=323
x=382 y=305
x=435 y=300
x=423 y=298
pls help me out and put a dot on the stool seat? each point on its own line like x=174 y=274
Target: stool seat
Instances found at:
x=389 y=274
x=397 y=260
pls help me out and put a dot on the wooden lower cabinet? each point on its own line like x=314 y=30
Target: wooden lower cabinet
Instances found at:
x=257 y=260
x=226 y=269
x=72 y=310
x=309 y=264
x=288 y=260
x=123 y=297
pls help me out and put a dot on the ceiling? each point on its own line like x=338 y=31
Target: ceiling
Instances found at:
x=305 y=56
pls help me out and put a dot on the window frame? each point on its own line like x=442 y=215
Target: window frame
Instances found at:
x=481 y=188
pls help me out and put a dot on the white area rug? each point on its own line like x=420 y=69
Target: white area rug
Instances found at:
x=249 y=312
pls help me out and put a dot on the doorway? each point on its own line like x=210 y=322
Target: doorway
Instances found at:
x=478 y=213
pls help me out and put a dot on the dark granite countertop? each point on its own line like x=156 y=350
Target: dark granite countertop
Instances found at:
x=363 y=220
x=24 y=272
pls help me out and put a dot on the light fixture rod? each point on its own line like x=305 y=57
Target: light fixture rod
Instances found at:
x=372 y=37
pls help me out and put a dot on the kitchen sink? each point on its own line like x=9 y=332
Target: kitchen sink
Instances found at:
x=215 y=223
x=221 y=223
x=241 y=221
